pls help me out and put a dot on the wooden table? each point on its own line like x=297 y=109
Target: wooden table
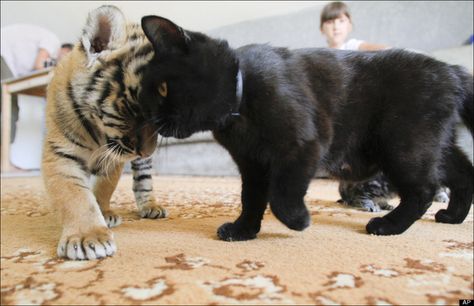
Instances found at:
x=33 y=84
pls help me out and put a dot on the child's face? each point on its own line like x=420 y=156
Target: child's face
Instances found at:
x=336 y=30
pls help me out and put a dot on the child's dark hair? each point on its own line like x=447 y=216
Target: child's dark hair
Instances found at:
x=333 y=10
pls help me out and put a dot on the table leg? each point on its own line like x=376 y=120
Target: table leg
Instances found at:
x=6 y=127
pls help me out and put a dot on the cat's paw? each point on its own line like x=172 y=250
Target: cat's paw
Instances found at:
x=300 y=222
x=383 y=227
x=295 y=218
x=369 y=205
x=384 y=205
x=111 y=218
x=152 y=211
x=233 y=232
x=94 y=244
x=443 y=216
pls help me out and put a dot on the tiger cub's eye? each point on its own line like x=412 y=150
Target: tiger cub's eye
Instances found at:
x=163 y=89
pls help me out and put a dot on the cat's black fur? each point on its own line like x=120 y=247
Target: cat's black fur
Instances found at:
x=354 y=113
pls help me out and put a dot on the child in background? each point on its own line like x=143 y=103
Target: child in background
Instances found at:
x=336 y=24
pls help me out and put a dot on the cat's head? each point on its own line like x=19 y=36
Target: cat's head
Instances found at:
x=190 y=84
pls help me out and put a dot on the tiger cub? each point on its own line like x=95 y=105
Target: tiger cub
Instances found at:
x=94 y=126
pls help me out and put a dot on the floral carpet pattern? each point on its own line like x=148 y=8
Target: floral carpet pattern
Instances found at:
x=179 y=260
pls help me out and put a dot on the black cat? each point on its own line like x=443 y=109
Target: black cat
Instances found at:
x=281 y=113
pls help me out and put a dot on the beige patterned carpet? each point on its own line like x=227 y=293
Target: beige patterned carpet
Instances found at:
x=178 y=260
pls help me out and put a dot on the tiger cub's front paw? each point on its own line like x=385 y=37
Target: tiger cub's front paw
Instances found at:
x=152 y=211
x=111 y=218
x=93 y=244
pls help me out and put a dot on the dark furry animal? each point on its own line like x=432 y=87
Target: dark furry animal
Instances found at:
x=282 y=113
x=372 y=195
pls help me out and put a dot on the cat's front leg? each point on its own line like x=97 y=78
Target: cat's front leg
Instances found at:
x=143 y=189
x=288 y=186
x=254 y=197
x=85 y=234
x=103 y=188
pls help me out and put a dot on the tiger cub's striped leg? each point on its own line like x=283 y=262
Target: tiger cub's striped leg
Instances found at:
x=103 y=188
x=84 y=232
x=143 y=189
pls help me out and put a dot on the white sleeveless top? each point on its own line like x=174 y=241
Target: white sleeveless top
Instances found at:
x=351 y=44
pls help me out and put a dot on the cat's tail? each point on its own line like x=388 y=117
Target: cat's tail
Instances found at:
x=466 y=109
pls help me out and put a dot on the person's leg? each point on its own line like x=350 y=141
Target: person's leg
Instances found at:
x=15 y=113
x=6 y=74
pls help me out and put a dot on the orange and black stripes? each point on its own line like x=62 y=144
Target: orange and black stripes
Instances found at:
x=59 y=152
x=88 y=126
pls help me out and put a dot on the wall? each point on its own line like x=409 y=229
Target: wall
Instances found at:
x=66 y=18
x=423 y=25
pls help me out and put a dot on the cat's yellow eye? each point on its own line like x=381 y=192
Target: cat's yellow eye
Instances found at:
x=163 y=89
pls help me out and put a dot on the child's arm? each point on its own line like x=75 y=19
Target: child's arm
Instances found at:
x=365 y=46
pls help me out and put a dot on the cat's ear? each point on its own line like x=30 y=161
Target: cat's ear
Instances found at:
x=105 y=30
x=164 y=35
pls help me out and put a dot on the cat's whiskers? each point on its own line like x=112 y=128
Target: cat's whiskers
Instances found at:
x=98 y=153
x=103 y=161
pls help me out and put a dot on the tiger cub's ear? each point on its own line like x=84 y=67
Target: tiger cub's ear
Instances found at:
x=105 y=30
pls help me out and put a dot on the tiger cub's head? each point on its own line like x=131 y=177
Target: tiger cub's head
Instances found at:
x=104 y=72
